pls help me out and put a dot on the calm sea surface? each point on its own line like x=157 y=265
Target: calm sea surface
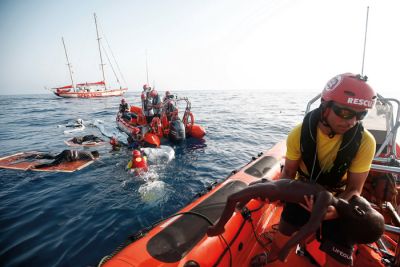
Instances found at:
x=74 y=219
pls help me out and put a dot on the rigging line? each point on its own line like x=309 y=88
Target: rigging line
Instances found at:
x=109 y=61
x=365 y=42
x=68 y=64
x=116 y=62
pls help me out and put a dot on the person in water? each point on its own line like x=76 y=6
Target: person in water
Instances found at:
x=138 y=163
x=359 y=222
x=331 y=148
x=77 y=123
x=86 y=138
x=135 y=139
x=64 y=156
x=115 y=144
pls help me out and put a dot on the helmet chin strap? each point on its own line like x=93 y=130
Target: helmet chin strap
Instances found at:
x=324 y=106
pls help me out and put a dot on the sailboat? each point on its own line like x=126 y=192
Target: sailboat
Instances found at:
x=88 y=89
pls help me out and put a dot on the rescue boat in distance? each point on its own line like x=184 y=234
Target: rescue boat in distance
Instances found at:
x=181 y=239
x=174 y=129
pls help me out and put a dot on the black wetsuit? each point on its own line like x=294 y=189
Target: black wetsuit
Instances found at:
x=86 y=138
x=65 y=156
x=124 y=109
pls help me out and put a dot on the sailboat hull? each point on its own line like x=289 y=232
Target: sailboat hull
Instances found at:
x=104 y=93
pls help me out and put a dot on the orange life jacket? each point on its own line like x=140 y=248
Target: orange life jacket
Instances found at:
x=139 y=163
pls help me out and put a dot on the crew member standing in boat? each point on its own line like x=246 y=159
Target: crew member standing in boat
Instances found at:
x=330 y=148
x=167 y=96
x=156 y=103
x=147 y=103
x=169 y=106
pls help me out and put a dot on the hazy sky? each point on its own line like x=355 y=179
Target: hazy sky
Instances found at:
x=292 y=45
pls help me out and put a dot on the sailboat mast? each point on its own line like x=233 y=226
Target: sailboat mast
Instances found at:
x=68 y=64
x=101 y=58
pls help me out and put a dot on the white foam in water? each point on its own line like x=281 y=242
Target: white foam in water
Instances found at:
x=152 y=191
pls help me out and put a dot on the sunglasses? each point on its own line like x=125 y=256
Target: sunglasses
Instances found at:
x=348 y=114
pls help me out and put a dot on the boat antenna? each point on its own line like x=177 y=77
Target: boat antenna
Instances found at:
x=101 y=58
x=147 y=70
x=365 y=43
x=68 y=64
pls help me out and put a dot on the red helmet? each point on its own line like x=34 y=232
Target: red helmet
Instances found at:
x=113 y=140
x=350 y=90
x=135 y=130
x=145 y=86
x=136 y=153
x=153 y=93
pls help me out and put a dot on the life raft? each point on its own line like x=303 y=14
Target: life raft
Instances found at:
x=160 y=127
x=150 y=138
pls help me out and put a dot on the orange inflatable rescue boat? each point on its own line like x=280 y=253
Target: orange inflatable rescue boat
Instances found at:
x=181 y=239
x=169 y=125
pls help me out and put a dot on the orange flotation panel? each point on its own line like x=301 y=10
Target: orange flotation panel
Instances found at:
x=136 y=109
x=191 y=128
x=141 y=119
x=152 y=139
x=197 y=131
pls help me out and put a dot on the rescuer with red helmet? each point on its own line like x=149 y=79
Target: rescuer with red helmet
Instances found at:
x=331 y=148
x=138 y=163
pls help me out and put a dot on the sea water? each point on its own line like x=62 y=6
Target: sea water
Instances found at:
x=74 y=219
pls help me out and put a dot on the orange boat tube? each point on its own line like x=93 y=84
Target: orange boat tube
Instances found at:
x=181 y=239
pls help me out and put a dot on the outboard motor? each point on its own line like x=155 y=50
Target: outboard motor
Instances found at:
x=176 y=131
